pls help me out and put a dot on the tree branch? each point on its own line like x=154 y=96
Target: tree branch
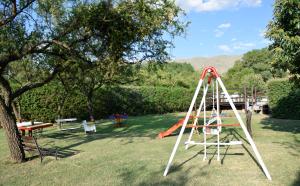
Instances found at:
x=14 y=8
x=15 y=13
x=6 y=90
x=30 y=86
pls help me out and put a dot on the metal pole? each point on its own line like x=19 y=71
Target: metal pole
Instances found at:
x=204 y=129
x=183 y=127
x=197 y=115
x=245 y=99
x=250 y=140
x=219 y=128
x=252 y=89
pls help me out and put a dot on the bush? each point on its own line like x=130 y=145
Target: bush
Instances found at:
x=142 y=100
x=284 y=99
x=44 y=103
x=48 y=102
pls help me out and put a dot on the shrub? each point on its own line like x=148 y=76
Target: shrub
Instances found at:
x=50 y=101
x=142 y=100
x=284 y=99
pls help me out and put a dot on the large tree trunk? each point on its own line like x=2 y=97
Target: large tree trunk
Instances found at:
x=12 y=134
x=248 y=121
x=90 y=107
x=16 y=110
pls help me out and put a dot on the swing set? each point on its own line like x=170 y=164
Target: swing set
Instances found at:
x=212 y=124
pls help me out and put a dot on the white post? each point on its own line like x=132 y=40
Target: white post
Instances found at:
x=218 y=136
x=219 y=128
x=197 y=115
x=250 y=140
x=204 y=129
x=219 y=121
x=183 y=127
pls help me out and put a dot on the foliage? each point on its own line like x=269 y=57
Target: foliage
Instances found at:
x=284 y=32
x=167 y=75
x=144 y=100
x=157 y=89
x=259 y=60
x=283 y=99
x=50 y=37
x=43 y=103
x=49 y=102
x=234 y=76
x=253 y=80
x=254 y=69
x=144 y=26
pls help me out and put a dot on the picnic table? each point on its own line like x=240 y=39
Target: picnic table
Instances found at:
x=28 y=123
x=66 y=120
x=24 y=126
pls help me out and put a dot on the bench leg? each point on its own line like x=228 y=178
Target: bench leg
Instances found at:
x=30 y=133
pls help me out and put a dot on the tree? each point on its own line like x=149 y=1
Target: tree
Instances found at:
x=168 y=75
x=57 y=35
x=88 y=78
x=284 y=32
x=141 y=39
x=254 y=64
x=234 y=75
x=253 y=80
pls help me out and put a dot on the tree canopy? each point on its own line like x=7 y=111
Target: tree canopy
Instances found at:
x=254 y=69
x=284 y=32
x=168 y=75
x=41 y=39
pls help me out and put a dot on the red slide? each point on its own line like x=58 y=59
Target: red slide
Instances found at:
x=171 y=130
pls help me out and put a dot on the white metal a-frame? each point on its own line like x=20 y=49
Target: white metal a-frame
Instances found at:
x=212 y=72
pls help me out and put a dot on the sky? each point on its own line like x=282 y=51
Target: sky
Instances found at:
x=222 y=27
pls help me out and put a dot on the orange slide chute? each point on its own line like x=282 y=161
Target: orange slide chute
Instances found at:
x=180 y=122
x=171 y=130
x=174 y=128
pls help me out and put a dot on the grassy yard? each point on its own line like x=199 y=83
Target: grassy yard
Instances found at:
x=134 y=156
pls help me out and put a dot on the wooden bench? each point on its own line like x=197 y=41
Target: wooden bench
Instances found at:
x=30 y=145
x=31 y=128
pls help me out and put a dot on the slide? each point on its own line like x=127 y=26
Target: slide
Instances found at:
x=171 y=130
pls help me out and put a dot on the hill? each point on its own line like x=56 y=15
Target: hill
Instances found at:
x=222 y=63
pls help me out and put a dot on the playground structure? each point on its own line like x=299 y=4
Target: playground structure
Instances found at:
x=212 y=125
x=118 y=119
x=180 y=122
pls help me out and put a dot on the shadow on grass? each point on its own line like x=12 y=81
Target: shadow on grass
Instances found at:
x=201 y=152
x=145 y=126
x=297 y=181
x=61 y=153
x=153 y=177
x=238 y=137
x=283 y=125
x=294 y=145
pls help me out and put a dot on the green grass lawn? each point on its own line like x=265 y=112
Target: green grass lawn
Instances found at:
x=134 y=156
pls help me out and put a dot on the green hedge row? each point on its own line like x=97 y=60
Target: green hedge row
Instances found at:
x=143 y=100
x=50 y=101
x=44 y=103
x=284 y=99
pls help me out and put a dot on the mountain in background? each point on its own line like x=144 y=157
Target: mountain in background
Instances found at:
x=222 y=63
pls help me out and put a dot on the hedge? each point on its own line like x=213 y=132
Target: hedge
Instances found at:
x=284 y=99
x=43 y=103
x=144 y=100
